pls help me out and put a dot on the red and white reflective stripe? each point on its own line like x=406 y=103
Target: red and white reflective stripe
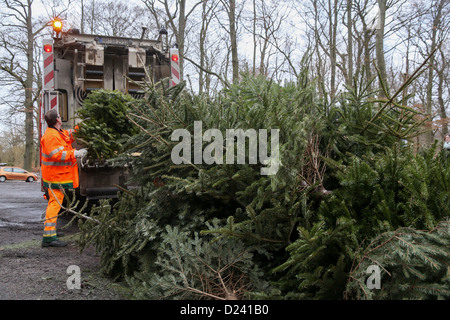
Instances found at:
x=53 y=102
x=53 y=99
x=175 y=73
x=49 y=73
x=174 y=68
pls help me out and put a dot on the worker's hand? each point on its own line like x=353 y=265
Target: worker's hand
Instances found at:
x=80 y=153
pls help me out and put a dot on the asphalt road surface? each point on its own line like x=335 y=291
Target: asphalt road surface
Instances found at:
x=21 y=203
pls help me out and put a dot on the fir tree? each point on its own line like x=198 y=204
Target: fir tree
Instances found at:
x=104 y=127
x=346 y=178
x=413 y=264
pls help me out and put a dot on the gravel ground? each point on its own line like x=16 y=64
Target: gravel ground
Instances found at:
x=29 y=272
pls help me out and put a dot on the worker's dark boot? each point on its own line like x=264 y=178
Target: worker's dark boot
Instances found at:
x=56 y=243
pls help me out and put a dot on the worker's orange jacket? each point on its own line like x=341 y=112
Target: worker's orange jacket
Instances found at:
x=58 y=163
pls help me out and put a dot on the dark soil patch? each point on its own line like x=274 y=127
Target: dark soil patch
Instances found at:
x=29 y=272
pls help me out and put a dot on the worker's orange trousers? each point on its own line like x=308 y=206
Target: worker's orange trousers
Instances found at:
x=55 y=198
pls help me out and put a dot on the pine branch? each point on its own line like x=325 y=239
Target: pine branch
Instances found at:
x=405 y=84
x=78 y=214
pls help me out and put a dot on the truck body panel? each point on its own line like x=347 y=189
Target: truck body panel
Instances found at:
x=76 y=64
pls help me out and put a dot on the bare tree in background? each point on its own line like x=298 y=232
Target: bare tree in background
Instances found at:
x=204 y=78
x=11 y=145
x=323 y=17
x=349 y=43
x=364 y=32
x=18 y=41
x=379 y=44
x=230 y=9
x=177 y=14
x=430 y=34
x=443 y=98
x=438 y=29
x=111 y=18
x=269 y=19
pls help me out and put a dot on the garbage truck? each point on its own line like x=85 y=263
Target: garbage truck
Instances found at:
x=75 y=64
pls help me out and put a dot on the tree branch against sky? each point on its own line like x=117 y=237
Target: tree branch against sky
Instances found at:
x=20 y=32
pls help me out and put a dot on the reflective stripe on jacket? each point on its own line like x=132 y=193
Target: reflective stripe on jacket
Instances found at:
x=59 y=165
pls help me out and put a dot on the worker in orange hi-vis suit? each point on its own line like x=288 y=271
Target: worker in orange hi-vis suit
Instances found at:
x=59 y=171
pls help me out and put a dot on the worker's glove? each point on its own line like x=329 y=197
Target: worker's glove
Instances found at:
x=80 y=153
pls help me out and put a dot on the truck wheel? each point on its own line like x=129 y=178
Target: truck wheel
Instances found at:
x=2 y=179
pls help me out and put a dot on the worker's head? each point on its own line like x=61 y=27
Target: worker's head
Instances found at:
x=52 y=117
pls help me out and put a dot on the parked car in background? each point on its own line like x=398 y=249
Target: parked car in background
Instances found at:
x=16 y=173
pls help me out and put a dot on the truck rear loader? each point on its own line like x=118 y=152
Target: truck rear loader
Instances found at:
x=76 y=64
